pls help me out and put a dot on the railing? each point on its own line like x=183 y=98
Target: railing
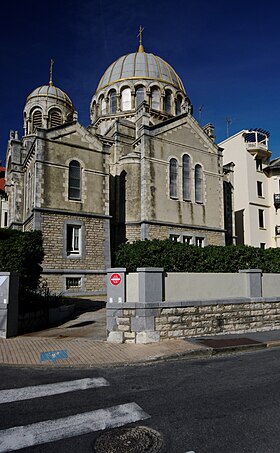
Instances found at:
x=256 y=145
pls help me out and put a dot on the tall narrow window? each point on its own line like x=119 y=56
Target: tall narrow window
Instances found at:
x=186 y=177
x=167 y=101
x=173 y=178
x=261 y=218
x=140 y=94
x=113 y=101
x=260 y=188
x=55 y=118
x=178 y=105
x=155 y=95
x=258 y=164
x=36 y=120
x=74 y=180
x=103 y=106
x=198 y=181
x=126 y=99
x=73 y=240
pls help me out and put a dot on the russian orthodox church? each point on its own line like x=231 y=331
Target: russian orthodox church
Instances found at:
x=143 y=169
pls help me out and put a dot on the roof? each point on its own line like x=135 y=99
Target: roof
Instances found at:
x=50 y=91
x=140 y=65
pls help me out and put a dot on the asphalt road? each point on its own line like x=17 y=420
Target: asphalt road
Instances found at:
x=226 y=404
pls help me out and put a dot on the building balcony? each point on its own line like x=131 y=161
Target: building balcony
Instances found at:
x=256 y=146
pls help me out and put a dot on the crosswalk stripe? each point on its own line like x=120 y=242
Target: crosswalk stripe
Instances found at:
x=37 y=391
x=51 y=430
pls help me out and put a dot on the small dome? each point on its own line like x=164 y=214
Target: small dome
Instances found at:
x=140 y=65
x=52 y=93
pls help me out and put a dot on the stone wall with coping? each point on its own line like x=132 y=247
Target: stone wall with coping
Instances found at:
x=151 y=319
x=153 y=322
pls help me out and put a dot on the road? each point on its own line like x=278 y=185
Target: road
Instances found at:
x=226 y=404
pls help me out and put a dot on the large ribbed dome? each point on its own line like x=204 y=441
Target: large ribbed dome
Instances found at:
x=140 y=65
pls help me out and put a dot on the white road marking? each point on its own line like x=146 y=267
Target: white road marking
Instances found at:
x=51 y=430
x=37 y=391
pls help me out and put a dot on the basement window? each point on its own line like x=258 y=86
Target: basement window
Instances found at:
x=73 y=283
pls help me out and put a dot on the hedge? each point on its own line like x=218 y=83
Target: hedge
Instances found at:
x=179 y=257
x=22 y=252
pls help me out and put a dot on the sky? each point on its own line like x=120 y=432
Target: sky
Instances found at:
x=226 y=53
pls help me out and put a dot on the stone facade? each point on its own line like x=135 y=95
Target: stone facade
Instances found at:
x=143 y=169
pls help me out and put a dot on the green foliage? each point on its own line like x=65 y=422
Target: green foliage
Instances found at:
x=23 y=253
x=178 y=257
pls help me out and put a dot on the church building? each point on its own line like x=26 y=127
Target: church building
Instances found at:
x=143 y=169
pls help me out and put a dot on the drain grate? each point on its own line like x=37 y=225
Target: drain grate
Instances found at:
x=228 y=342
x=129 y=440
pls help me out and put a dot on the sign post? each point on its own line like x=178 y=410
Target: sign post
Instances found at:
x=116 y=285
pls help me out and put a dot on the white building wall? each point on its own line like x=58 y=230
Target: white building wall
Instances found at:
x=246 y=197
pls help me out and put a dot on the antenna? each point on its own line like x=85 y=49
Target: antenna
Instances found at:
x=228 y=123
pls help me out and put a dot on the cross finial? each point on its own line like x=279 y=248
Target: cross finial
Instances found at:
x=51 y=73
x=141 y=48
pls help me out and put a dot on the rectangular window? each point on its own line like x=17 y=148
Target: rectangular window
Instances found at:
x=277 y=230
x=73 y=283
x=5 y=218
x=174 y=237
x=261 y=218
x=260 y=188
x=199 y=242
x=187 y=240
x=262 y=245
x=73 y=240
x=259 y=164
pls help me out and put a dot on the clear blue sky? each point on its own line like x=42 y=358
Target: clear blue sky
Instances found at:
x=226 y=53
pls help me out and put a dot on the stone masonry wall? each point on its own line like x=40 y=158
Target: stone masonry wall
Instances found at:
x=132 y=323
x=163 y=232
x=53 y=230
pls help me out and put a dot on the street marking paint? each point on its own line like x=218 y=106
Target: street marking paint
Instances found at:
x=52 y=430
x=53 y=356
x=37 y=391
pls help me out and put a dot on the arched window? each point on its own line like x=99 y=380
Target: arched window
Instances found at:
x=126 y=99
x=74 y=189
x=55 y=118
x=178 y=105
x=155 y=95
x=140 y=94
x=198 y=181
x=186 y=178
x=113 y=101
x=173 y=178
x=103 y=106
x=36 y=119
x=167 y=101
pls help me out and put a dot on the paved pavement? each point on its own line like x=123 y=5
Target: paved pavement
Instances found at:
x=81 y=342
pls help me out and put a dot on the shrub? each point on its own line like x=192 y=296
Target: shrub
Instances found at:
x=23 y=253
x=178 y=257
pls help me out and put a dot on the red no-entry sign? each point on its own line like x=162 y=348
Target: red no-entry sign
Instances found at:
x=115 y=279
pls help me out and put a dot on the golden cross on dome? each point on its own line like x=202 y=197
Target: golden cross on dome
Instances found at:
x=51 y=73
x=141 y=48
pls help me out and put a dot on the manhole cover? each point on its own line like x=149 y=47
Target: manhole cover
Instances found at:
x=129 y=440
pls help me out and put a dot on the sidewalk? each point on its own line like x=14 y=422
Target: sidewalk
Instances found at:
x=84 y=352
x=81 y=342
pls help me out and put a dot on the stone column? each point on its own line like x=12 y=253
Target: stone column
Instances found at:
x=253 y=282
x=150 y=284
